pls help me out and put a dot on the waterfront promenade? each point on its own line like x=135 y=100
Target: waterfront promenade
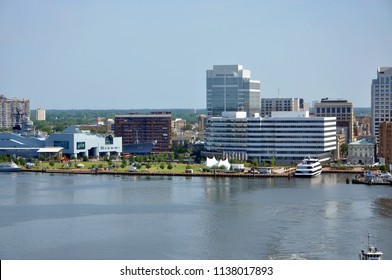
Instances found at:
x=287 y=173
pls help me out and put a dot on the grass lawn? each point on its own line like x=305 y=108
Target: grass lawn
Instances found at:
x=154 y=167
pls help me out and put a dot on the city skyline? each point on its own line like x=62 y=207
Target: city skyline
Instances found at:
x=118 y=55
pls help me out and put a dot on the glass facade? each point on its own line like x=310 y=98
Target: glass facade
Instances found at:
x=64 y=144
x=229 y=88
x=381 y=101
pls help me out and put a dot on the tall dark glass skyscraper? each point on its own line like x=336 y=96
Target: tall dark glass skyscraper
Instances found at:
x=230 y=88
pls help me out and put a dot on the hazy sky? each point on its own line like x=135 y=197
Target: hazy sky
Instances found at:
x=121 y=54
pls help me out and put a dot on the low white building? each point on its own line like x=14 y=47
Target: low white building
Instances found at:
x=361 y=152
x=79 y=144
x=286 y=136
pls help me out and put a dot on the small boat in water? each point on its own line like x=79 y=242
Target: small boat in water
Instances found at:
x=309 y=167
x=371 y=252
x=9 y=167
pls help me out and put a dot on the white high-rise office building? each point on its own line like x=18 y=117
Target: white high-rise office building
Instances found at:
x=230 y=88
x=286 y=136
x=381 y=99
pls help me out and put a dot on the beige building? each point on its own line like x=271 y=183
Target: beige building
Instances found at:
x=178 y=124
x=201 y=121
x=342 y=110
x=13 y=111
x=269 y=105
x=40 y=114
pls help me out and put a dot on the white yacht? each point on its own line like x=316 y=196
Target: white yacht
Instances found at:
x=9 y=167
x=309 y=167
x=371 y=252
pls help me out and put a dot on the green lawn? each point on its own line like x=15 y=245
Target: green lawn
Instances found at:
x=154 y=167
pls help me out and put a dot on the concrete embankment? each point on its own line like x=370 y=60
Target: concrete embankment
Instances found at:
x=287 y=174
x=348 y=171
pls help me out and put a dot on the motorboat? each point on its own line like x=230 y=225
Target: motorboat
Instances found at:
x=371 y=252
x=309 y=167
x=9 y=167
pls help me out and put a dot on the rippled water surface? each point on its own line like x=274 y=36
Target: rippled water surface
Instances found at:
x=45 y=216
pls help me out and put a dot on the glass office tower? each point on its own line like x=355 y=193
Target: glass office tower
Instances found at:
x=381 y=93
x=230 y=88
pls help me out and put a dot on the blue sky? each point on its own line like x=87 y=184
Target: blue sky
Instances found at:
x=122 y=54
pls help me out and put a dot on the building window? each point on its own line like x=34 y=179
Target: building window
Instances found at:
x=109 y=140
x=64 y=144
x=80 y=145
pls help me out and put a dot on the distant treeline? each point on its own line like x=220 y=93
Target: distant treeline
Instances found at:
x=362 y=111
x=190 y=115
x=85 y=116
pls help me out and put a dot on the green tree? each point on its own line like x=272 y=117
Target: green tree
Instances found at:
x=22 y=161
x=162 y=165
x=180 y=157
x=344 y=150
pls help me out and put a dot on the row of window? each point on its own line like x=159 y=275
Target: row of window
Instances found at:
x=338 y=110
x=382 y=90
x=209 y=135
x=271 y=131
x=383 y=80
x=271 y=126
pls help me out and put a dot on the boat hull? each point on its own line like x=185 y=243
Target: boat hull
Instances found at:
x=313 y=174
x=10 y=169
x=308 y=168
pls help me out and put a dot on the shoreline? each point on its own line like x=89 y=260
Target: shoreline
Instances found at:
x=289 y=174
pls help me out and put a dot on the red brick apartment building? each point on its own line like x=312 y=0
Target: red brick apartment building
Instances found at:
x=145 y=128
x=385 y=141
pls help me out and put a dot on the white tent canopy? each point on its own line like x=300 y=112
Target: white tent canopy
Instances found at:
x=211 y=162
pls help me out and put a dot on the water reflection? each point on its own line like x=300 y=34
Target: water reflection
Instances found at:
x=382 y=207
x=130 y=217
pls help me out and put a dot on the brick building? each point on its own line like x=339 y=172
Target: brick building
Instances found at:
x=385 y=141
x=145 y=129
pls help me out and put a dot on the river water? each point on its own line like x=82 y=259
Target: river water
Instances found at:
x=44 y=216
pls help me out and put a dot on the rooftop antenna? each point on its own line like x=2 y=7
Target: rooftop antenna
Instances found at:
x=278 y=92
